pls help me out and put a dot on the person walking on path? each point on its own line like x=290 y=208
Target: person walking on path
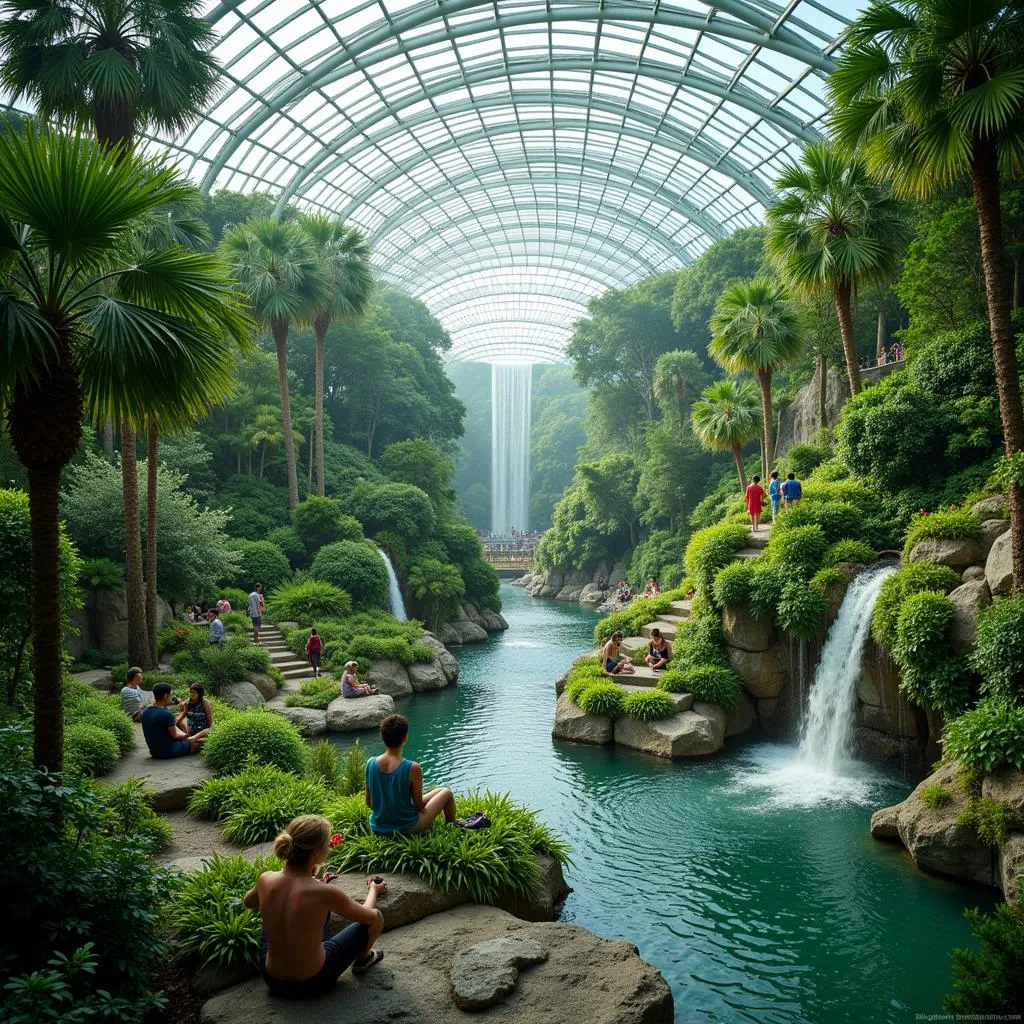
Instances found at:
x=755 y=502
x=254 y=609
x=313 y=646
x=216 y=629
x=792 y=492
x=775 y=493
x=133 y=700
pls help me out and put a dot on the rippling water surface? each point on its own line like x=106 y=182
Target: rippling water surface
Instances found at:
x=753 y=887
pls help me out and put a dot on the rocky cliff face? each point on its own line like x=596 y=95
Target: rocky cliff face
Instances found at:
x=574 y=584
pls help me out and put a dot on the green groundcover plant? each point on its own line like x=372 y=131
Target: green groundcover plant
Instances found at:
x=952 y=524
x=601 y=698
x=258 y=734
x=998 y=655
x=713 y=684
x=314 y=693
x=988 y=737
x=649 y=705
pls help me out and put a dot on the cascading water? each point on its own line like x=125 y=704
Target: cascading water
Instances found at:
x=395 y=603
x=510 y=447
x=828 y=724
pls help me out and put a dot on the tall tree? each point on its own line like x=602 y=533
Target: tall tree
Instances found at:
x=931 y=92
x=726 y=418
x=679 y=377
x=343 y=258
x=275 y=265
x=92 y=327
x=755 y=329
x=832 y=228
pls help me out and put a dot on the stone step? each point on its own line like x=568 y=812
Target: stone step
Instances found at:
x=682 y=701
x=305 y=672
x=746 y=553
x=682 y=608
x=673 y=618
x=668 y=629
x=290 y=662
x=759 y=539
x=633 y=644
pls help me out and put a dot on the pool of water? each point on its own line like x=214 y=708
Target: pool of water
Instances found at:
x=756 y=890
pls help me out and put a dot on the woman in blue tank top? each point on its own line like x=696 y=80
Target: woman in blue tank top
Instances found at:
x=394 y=787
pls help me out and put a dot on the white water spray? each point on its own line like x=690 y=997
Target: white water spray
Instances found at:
x=827 y=729
x=395 y=603
x=510 y=447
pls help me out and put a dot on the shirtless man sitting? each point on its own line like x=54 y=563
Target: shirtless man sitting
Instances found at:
x=298 y=956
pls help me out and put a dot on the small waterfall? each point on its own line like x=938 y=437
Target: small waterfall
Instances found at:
x=828 y=723
x=395 y=603
x=510 y=447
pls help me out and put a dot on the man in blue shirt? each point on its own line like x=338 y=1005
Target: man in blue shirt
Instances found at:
x=217 y=630
x=792 y=492
x=163 y=737
x=775 y=493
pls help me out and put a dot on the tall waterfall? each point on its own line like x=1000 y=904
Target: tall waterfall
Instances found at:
x=510 y=447
x=827 y=728
x=395 y=603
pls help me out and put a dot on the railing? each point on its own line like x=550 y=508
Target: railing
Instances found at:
x=510 y=561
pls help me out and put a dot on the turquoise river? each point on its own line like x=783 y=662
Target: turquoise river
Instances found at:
x=758 y=893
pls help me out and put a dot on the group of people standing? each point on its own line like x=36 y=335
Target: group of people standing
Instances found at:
x=781 y=494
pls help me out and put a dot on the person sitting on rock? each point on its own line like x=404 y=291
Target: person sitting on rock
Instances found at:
x=133 y=699
x=350 y=685
x=299 y=957
x=659 y=650
x=394 y=787
x=163 y=737
x=612 y=659
x=196 y=713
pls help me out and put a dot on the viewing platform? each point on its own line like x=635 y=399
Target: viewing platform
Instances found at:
x=510 y=556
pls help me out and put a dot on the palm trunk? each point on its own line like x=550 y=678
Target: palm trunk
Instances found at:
x=737 y=454
x=1017 y=297
x=263 y=459
x=152 y=452
x=822 y=391
x=881 y=333
x=320 y=325
x=764 y=379
x=309 y=478
x=138 y=639
x=108 y=439
x=47 y=662
x=841 y=293
x=280 y=331
x=985 y=182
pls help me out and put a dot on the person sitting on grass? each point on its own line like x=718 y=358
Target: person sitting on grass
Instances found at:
x=350 y=685
x=299 y=957
x=196 y=713
x=659 y=650
x=163 y=737
x=612 y=659
x=133 y=700
x=394 y=787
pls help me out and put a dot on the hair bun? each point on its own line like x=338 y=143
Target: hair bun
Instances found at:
x=283 y=846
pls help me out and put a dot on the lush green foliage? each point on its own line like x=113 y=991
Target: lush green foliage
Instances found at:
x=437 y=587
x=907 y=580
x=314 y=693
x=825 y=579
x=486 y=864
x=402 y=509
x=929 y=673
x=988 y=737
x=374 y=629
x=801 y=611
x=319 y=521
x=802 y=459
x=267 y=737
x=711 y=683
x=733 y=584
x=648 y=705
x=848 y=551
x=602 y=698
x=998 y=655
x=101 y=574
x=988 y=817
x=128 y=814
x=952 y=524
x=260 y=562
x=89 y=750
x=355 y=567
x=285 y=538
x=798 y=550
x=935 y=796
x=307 y=601
x=215 y=666
x=637 y=613
x=712 y=549
x=837 y=520
x=584 y=672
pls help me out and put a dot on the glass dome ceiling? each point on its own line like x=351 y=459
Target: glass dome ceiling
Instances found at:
x=508 y=160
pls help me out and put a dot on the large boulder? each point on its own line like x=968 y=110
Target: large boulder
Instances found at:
x=472 y=613
x=742 y=717
x=486 y=973
x=573 y=724
x=764 y=673
x=447 y=661
x=170 y=782
x=968 y=601
x=740 y=629
x=109 y=610
x=390 y=677
x=540 y=906
x=408 y=899
x=973 y=572
x=991 y=531
x=267 y=685
x=799 y=421
x=996 y=507
x=999 y=566
x=241 y=695
x=350 y=714
x=585 y=978
x=688 y=734
x=592 y=594
x=957 y=554
x=429 y=676
x=308 y=721
x=1007 y=787
x=883 y=824
x=493 y=622
x=1010 y=865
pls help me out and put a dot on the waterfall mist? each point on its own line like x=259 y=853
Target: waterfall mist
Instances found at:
x=396 y=604
x=510 y=447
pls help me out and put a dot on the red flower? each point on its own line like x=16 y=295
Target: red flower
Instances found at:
x=336 y=839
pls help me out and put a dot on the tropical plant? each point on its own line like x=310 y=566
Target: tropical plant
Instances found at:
x=987 y=738
x=343 y=259
x=601 y=698
x=257 y=734
x=726 y=418
x=275 y=265
x=93 y=328
x=308 y=601
x=319 y=521
x=649 y=705
x=755 y=329
x=930 y=93
x=678 y=377
x=438 y=588
x=714 y=684
x=833 y=229
x=355 y=567
x=998 y=655
x=315 y=693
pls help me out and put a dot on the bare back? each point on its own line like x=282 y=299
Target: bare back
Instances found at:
x=293 y=908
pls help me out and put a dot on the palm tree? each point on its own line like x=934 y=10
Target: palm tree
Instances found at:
x=678 y=376
x=726 y=417
x=833 y=229
x=93 y=326
x=344 y=260
x=275 y=265
x=755 y=328
x=931 y=92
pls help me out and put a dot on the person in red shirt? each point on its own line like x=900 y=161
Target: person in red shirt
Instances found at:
x=313 y=646
x=755 y=500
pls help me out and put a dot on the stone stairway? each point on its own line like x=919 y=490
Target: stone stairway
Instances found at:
x=293 y=668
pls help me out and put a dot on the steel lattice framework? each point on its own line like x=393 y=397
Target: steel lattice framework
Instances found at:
x=510 y=159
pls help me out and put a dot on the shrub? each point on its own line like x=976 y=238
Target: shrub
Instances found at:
x=260 y=562
x=101 y=574
x=314 y=693
x=649 y=705
x=171 y=637
x=988 y=737
x=267 y=737
x=355 y=567
x=128 y=814
x=801 y=611
x=836 y=519
x=802 y=459
x=933 y=795
x=825 y=579
x=89 y=750
x=291 y=544
x=353 y=778
x=216 y=666
x=265 y=814
x=402 y=509
x=487 y=864
x=321 y=521
x=601 y=698
x=798 y=550
x=848 y=551
x=580 y=676
x=437 y=587
x=710 y=550
x=698 y=642
x=954 y=524
x=989 y=818
x=257 y=505
x=766 y=587
x=75 y=900
x=235 y=596
x=106 y=713
x=733 y=584
x=998 y=655
x=830 y=471
x=308 y=601
x=907 y=580
x=711 y=683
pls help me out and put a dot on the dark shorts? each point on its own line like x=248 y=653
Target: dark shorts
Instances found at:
x=339 y=952
x=314 y=659
x=179 y=748
x=257 y=620
x=612 y=664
